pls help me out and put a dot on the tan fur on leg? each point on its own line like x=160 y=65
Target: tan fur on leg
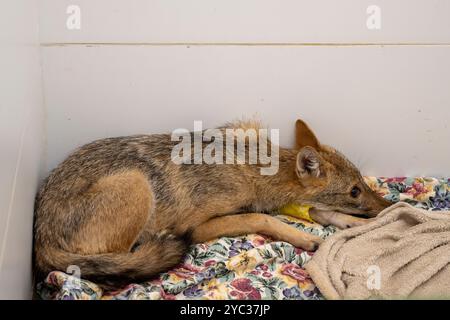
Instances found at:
x=121 y=206
x=340 y=220
x=248 y=223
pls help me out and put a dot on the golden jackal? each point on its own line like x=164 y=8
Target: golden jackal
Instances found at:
x=121 y=209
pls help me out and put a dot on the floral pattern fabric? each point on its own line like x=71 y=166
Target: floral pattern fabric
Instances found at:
x=248 y=267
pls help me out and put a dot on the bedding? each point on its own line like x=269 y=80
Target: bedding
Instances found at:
x=247 y=267
x=403 y=254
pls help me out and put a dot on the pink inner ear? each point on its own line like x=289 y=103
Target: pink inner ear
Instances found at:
x=309 y=162
x=312 y=164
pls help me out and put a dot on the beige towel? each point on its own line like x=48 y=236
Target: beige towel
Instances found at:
x=404 y=253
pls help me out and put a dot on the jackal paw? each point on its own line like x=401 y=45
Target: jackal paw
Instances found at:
x=309 y=243
x=355 y=223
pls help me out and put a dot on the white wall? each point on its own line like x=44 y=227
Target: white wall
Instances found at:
x=381 y=96
x=21 y=141
x=247 y=21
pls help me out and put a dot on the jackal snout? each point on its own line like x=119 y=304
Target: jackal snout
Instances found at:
x=373 y=204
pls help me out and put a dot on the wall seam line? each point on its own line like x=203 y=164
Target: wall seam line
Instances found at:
x=242 y=44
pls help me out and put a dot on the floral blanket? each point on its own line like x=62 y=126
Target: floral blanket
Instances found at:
x=246 y=267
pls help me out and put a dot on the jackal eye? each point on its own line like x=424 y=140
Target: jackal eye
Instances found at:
x=355 y=192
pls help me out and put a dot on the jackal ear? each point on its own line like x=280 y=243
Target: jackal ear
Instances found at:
x=304 y=136
x=308 y=163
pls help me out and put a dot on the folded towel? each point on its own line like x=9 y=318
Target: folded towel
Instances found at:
x=404 y=253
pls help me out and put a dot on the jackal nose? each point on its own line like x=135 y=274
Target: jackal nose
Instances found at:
x=378 y=206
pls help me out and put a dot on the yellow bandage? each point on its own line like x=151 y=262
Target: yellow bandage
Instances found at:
x=298 y=211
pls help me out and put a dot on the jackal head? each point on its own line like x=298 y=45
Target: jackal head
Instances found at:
x=332 y=182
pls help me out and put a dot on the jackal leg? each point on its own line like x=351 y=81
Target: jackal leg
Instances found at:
x=115 y=208
x=340 y=220
x=248 y=223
